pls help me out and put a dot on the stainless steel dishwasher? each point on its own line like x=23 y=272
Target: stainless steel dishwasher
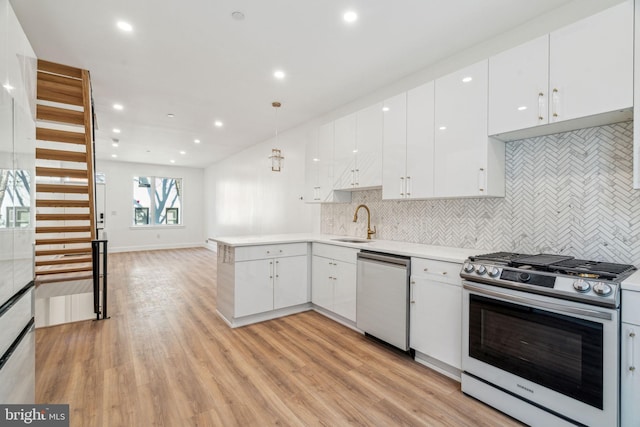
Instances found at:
x=382 y=304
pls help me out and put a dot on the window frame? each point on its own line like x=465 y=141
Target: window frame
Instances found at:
x=151 y=209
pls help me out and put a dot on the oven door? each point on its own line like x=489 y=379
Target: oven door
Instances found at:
x=561 y=356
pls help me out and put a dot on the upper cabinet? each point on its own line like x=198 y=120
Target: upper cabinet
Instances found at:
x=408 y=144
x=358 y=149
x=467 y=162
x=577 y=72
x=319 y=168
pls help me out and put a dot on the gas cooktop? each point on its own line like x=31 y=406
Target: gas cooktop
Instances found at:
x=562 y=276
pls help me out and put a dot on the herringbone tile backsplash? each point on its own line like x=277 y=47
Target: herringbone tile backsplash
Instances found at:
x=568 y=193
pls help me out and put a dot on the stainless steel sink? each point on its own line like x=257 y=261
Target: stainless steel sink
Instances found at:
x=351 y=240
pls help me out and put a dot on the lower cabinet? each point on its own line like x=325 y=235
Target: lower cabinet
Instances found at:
x=259 y=279
x=269 y=284
x=436 y=314
x=333 y=279
x=630 y=360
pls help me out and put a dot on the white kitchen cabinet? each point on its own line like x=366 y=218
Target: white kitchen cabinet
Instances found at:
x=358 y=149
x=519 y=87
x=436 y=314
x=580 y=71
x=630 y=359
x=333 y=279
x=319 y=168
x=467 y=162
x=254 y=280
x=408 y=144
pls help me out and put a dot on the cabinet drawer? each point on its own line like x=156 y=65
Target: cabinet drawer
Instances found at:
x=247 y=253
x=441 y=271
x=339 y=253
x=630 y=307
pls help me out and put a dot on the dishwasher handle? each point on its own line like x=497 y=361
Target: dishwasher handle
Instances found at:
x=384 y=258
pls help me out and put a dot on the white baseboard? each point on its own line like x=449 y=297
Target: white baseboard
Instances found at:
x=154 y=247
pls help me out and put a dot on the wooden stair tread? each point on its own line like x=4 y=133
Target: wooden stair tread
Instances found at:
x=64 y=229
x=62 y=217
x=62 y=188
x=62 y=203
x=56 y=135
x=64 y=260
x=43 y=272
x=64 y=241
x=61 y=251
x=58 y=88
x=59 y=115
x=61 y=172
x=42 y=280
x=63 y=70
x=61 y=155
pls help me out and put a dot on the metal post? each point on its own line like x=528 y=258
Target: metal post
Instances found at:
x=104 y=282
x=95 y=253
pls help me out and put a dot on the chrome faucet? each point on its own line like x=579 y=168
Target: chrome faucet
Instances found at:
x=369 y=230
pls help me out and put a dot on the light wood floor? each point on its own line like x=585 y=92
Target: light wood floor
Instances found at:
x=165 y=358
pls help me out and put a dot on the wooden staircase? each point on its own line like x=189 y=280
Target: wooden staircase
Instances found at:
x=65 y=224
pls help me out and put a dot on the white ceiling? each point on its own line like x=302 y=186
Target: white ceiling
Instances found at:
x=190 y=58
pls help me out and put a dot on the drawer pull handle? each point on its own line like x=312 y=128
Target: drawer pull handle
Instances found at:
x=444 y=273
x=632 y=356
x=426 y=269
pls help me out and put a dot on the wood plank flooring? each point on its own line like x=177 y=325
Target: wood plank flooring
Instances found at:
x=165 y=358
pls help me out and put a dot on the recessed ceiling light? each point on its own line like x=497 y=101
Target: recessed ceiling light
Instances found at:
x=279 y=74
x=118 y=107
x=355 y=151
x=172 y=161
x=183 y=152
x=385 y=109
x=316 y=160
x=522 y=108
x=442 y=128
x=116 y=130
x=350 y=16
x=197 y=141
x=217 y=124
x=125 y=26
x=467 y=79
x=114 y=155
x=115 y=144
x=171 y=115
x=8 y=87
x=237 y=15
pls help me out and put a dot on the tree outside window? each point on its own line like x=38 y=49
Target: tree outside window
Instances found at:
x=157 y=200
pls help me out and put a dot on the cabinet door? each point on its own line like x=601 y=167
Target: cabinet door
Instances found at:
x=253 y=287
x=322 y=279
x=369 y=147
x=461 y=141
x=518 y=87
x=630 y=375
x=290 y=282
x=436 y=320
x=591 y=64
x=394 y=147
x=344 y=293
x=344 y=148
x=420 y=141
x=312 y=169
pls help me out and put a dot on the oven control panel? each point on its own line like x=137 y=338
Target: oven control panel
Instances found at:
x=570 y=287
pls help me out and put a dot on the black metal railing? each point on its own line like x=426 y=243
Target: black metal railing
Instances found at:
x=99 y=271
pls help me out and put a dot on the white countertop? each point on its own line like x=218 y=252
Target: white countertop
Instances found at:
x=441 y=253
x=633 y=282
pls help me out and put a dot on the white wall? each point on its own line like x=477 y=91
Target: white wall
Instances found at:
x=119 y=212
x=244 y=197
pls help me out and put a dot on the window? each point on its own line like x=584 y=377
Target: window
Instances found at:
x=157 y=201
x=15 y=198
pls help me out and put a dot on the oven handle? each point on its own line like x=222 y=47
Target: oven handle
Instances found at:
x=538 y=304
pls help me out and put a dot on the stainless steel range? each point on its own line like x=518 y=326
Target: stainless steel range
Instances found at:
x=541 y=337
